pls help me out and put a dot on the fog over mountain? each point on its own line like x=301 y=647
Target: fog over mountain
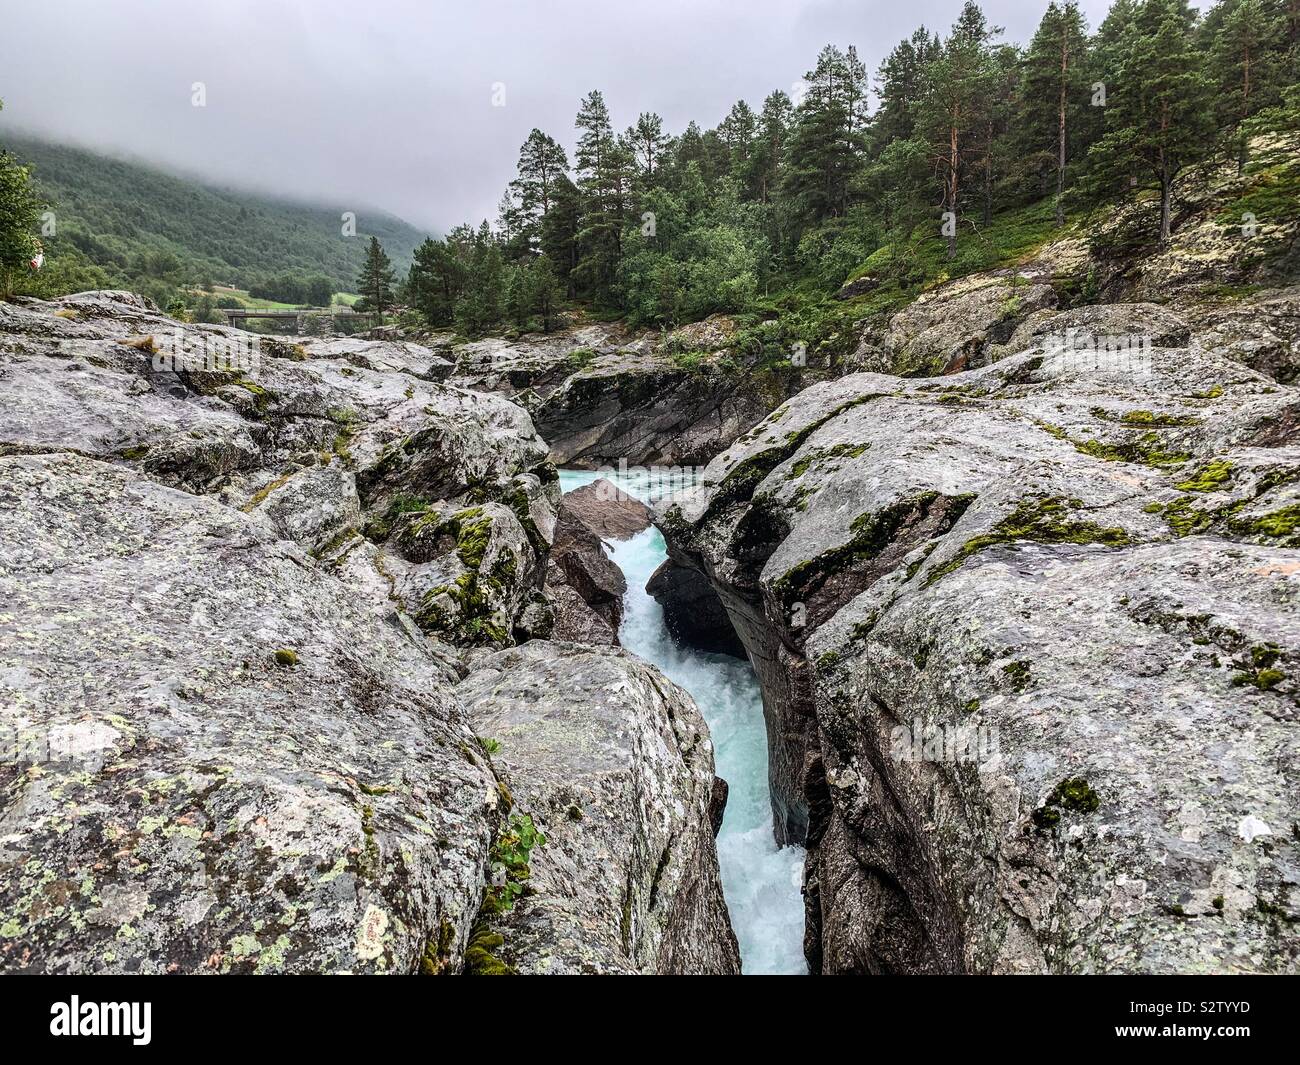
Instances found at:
x=396 y=109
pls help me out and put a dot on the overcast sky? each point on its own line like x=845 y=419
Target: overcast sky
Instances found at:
x=390 y=102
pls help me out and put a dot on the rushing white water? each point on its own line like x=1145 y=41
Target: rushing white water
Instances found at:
x=760 y=880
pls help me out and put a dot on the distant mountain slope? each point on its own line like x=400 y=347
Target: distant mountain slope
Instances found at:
x=141 y=224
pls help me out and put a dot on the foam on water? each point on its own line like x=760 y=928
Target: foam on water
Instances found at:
x=760 y=881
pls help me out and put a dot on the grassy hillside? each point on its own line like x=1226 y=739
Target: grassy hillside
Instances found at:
x=123 y=224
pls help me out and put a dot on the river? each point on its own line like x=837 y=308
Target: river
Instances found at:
x=759 y=880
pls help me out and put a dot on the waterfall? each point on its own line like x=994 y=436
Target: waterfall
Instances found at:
x=759 y=880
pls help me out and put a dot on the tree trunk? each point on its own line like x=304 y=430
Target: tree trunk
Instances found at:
x=1165 y=196
x=1245 y=111
x=1060 y=138
x=1166 y=178
x=952 y=189
x=988 y=182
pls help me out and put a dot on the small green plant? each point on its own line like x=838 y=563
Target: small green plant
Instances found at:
x=510 y=854
x=580 y=358
x=1073 y=793
x=286 y=658
x=689 y=360
x=491 y=746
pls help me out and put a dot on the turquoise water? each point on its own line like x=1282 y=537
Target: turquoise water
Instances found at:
x=760 y=881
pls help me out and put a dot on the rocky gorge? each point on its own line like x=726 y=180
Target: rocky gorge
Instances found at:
x=306 y=664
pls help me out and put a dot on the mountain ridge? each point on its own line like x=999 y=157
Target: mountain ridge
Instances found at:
x=154 y=229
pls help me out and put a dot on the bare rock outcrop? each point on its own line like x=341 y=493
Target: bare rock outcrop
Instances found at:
x=1028 y=643
x=613 y=763
x=217 y=759
x=241 y=578
x=334 y=441
x=955 y=326
x=600 y=394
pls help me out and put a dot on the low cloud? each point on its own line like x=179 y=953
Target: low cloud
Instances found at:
x=390 y=103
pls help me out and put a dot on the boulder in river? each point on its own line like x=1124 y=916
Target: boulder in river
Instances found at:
x=607 y=510
x=587 y=587
x=693 y=613
x=613 y=763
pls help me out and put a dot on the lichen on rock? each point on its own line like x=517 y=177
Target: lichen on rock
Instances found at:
x=1026 y=657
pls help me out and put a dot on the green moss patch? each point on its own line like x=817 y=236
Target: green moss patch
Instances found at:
x=1278 y=524
x=1040 y=519
x=1259 y=669
x=1074 y=794
x=1148 y=449
x=872 y=533
x=1020 y=675
x=377 y=529
x=1212 y=477
x=839 y=451
x=1140 y=418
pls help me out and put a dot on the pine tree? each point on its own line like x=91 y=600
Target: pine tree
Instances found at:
x=544 y=292
x=650 y=146
x=542 y=163
x=689 y=149
x=1247 y=58
x=437 y=277
x=514 y=300
x=958 y=85
x=479 y=307
x=998 y=117
x=1054 y=93
x=512 y=225
x=770 y=144
x=826 y=144
x=1160 y=118
x=375 y=282
x=899 y=84
x=1109 y=48
x=559 y=232
x=737 y=132
x=596 y=139
x=604 y=165
x=900 y=181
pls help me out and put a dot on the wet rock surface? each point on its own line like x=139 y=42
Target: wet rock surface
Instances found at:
x=585 y=584
x=693 y=613
x=608 y=512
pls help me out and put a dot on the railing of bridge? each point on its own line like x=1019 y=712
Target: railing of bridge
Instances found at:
x=278 y=312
